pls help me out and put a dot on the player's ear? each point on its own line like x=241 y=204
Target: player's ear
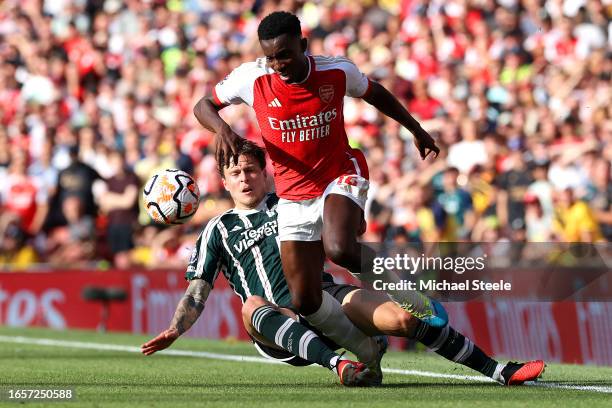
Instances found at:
x=224 y=183
x=304 y=44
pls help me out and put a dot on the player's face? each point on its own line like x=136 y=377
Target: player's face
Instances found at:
x=246 y=182
x=285 y=55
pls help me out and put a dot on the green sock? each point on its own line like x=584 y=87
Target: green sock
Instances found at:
x=293 y=336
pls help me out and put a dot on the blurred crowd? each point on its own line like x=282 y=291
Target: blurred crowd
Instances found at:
x=97 y=95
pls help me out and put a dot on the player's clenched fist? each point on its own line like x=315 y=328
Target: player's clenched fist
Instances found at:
x=162 y=341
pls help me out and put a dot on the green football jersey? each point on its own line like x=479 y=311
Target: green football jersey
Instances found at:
x=244 y=246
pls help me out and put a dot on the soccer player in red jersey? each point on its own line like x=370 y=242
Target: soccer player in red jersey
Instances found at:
x=321 y=180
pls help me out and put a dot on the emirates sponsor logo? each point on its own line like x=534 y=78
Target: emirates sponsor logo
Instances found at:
x=303 y=122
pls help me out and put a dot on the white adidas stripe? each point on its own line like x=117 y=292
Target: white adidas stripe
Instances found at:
x=280 y=333
x=304 y=342
x=241 y=273
x=275 y=103
x=466 y=350
x=261 y=313
x=205 y=237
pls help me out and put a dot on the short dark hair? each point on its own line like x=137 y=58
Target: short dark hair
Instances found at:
x=278 y=23
x=247 y=148
x=452 y=170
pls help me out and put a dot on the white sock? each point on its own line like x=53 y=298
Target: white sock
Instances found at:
x=334 y=362
x=497 y=374
x=333 y=323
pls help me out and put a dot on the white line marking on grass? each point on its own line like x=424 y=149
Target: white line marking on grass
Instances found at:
x=250 y=359
x=132 y=349
x=594 y=388
x=431 y=374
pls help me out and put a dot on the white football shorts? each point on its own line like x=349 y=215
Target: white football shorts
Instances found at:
x=303 y=220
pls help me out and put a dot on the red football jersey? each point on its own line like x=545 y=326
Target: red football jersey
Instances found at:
x=302 y=124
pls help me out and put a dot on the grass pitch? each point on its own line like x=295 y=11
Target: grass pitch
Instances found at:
x=114 y=378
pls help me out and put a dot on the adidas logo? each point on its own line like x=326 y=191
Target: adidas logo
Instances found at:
x=275 y=104
x=236 y=228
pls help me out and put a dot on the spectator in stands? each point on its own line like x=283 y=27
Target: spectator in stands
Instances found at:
x=422 y=105
x=5 y=155
x=172 y=247
x=120 y=204
x=574 y=221
x=144 y=239
x=77 y=180
x=21 y=196
x=517 y=94
x=541 y=188
x=44 y=173
x=413 y=216
x=512 y=185
x=75 y=243
x=15 y=253
x=482 y=191
x=538 y=222
x=454 y=208
x=470 y=151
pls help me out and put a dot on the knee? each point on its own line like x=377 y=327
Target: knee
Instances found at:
x=250 y=305
x=339 y=251
x=306 y=303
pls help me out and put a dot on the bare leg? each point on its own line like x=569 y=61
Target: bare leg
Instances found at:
x=342 y=221
x=302 y=265
x=375 y=313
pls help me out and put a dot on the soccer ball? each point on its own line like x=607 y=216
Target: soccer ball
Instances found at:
x=171 y=196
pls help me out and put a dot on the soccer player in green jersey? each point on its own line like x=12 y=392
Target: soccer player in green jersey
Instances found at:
x=242 y=244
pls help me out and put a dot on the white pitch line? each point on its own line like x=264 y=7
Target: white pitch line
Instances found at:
x=594 y=388
x=132 y=349
x=250 y=359
x=431 y=374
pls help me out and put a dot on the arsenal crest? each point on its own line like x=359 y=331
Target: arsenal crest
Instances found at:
x=326 y=93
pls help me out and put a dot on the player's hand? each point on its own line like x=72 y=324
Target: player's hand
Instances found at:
x=425 y=144
x=227 y=145
x=162 y=341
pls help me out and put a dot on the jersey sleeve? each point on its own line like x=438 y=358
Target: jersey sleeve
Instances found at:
x=357 y=83
x=237 y=87
x=205 y=262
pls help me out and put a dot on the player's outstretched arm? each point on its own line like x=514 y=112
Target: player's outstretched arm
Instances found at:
x=227 y=141
x=187 y=312
x=384 y=101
